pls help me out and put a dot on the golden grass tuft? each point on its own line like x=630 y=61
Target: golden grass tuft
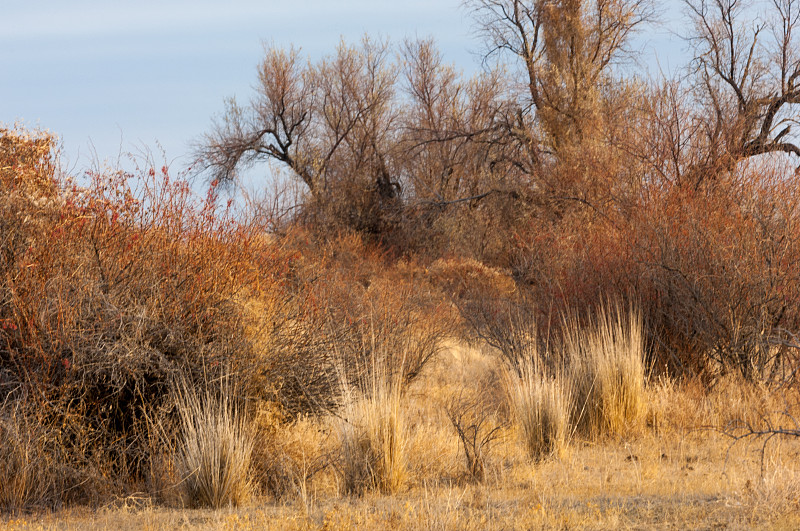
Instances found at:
x=542 y=406
x=215 y=449
x=607 y=369
x=372 y=435
x=27 y=474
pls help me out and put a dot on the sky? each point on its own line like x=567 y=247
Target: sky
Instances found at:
x=112 y=77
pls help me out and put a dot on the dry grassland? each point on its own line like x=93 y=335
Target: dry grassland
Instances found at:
x=676 y=473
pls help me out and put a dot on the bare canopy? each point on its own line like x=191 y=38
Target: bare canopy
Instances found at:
x=748 y=74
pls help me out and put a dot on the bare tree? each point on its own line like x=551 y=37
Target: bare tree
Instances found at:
x=332 y=124
x=670 y=141
x=272 y=127
x=363 y=150
x=452 y=130
x=565 y=49
x=748 y=75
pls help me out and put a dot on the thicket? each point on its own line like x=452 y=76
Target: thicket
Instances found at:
x=122 y=291
x=432 y=205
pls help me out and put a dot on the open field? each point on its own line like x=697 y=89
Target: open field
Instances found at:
x=676 y=474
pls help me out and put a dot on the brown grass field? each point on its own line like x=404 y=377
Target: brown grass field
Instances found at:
x=676 y=473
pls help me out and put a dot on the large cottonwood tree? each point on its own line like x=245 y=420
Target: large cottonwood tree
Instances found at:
x=747 y=75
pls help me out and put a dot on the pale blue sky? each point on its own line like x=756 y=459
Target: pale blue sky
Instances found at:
x=122 y=75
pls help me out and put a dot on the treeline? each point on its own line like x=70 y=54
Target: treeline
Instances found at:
x=559 y=166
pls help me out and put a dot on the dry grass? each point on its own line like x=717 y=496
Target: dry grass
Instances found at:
x=607 y=368
x=542 y=406
x=597 y=387
x=675 y=476
x=290 y=454
x=372 y=433
x=27 y=474
x=214 y=450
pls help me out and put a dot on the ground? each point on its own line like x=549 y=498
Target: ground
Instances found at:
x=679 y=472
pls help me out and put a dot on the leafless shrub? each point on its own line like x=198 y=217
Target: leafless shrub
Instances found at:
x=110 y=290
x=719 y=270
x=476 y=422
x=781 y=424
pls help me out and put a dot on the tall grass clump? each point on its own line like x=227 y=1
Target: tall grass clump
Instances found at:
x=541 y=404
x=372 y=433
x=607 y=369
x=214 y=450
x=536 y=384
x=28 y=476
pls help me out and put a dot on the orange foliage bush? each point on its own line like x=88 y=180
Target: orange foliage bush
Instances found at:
x=113 y=290
x=719 y=273
x=716 y=269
